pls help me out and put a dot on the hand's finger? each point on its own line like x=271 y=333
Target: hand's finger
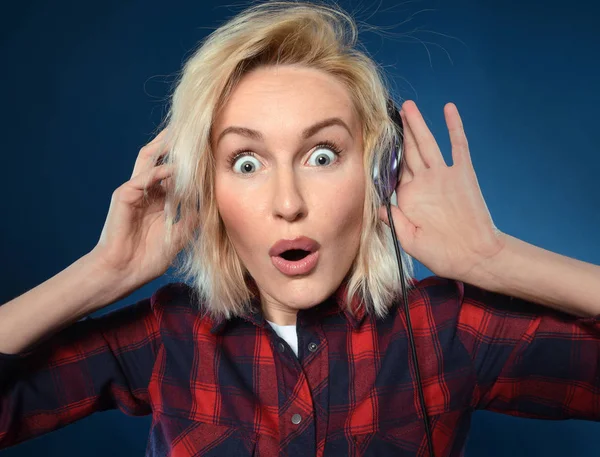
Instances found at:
x=150 y=152
x=412 y=157
x=428 y=147
x=406 y=175
x=458 y=138
x=150 y=177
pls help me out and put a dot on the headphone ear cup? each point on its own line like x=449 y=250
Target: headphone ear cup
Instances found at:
x=386 y=168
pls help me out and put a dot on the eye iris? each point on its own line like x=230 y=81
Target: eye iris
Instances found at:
x=247 y=166
x=323 y=160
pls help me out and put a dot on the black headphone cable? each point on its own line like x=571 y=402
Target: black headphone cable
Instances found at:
x=410 y=333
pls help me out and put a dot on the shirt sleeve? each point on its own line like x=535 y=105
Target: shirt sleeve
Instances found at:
x=95 y=364
x=530 y=360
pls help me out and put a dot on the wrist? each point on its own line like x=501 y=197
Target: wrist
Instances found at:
x=484 y=273
x=107 y=284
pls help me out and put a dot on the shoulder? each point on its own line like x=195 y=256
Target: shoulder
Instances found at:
x=471 y=305
x=442 y=305
x=435 y=294
x=438 y=287
x=442 y=293
x=177 y=305
x=434 y=303
x=174 y=295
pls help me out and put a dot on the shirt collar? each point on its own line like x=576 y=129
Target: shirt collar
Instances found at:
x=336 y=303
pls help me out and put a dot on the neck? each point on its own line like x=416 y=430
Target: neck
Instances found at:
x=276 y=312
x=280 y=316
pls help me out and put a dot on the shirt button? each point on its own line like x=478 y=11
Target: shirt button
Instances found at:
x=312 y=347
x=296 y=418
x=281 y=347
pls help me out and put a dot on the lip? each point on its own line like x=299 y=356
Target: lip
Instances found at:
x=301 y=242
x=295 y=267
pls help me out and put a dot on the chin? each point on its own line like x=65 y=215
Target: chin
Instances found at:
x=304 y=293
x=299 y=292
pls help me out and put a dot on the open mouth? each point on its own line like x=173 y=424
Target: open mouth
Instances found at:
x=294 y=254
x=294 y=262
x=295 y=257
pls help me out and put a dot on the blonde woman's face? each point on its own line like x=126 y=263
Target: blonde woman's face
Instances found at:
x=278 y=178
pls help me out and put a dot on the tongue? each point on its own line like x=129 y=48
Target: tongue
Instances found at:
x=294 y=254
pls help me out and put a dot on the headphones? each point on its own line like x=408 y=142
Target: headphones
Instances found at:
x=386 y=168
x=386 y=176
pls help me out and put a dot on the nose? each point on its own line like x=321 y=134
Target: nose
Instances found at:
x=288 y=202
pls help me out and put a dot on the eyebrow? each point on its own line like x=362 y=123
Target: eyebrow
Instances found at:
x=306 y=133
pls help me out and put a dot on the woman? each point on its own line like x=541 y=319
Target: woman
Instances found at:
x=288 y=336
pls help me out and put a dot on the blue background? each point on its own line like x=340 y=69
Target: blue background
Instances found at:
x=84 y=85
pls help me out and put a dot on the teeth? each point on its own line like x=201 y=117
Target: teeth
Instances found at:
x=294 y=254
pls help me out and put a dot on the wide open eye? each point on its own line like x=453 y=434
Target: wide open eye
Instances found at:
x=245 y=164
x=323 y=155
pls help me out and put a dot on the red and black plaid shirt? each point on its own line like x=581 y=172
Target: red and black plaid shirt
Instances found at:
x=234 y=388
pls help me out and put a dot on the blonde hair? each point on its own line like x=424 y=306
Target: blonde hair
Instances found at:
x=273 y=33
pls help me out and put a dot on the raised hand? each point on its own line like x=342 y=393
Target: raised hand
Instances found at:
x=132 y=239
x=441 y=218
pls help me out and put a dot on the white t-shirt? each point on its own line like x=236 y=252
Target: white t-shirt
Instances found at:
x=288 y=333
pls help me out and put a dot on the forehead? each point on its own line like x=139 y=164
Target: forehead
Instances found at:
x=286 y=96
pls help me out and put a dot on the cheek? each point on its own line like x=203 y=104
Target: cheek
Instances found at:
x=345 y=207
x=239 y=210
x=229 y=206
